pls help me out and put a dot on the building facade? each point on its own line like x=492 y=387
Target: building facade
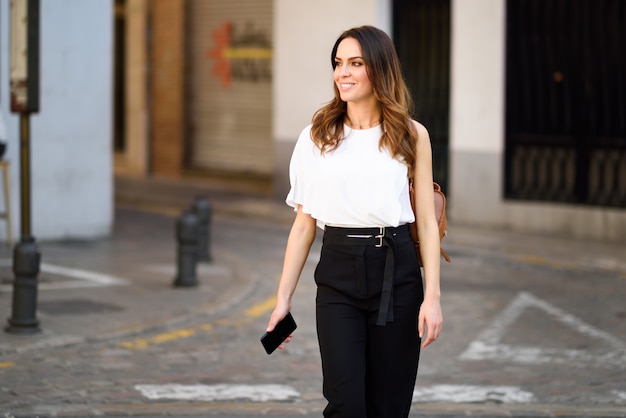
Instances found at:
x=524 y=101
x=232 y=86
x=537 y=117
x=71 y=173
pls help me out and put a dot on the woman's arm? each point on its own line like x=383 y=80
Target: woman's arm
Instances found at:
x=428 y=231
x=298 y=246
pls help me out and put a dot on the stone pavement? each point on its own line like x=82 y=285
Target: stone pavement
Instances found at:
x=534 y=325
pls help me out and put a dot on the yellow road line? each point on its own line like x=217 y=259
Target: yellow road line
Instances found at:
x=235 y=323
x=262 y=308
x=253 y=312
x=140 y=343
x=206 y=327
x=540 y=261
x=6 y=364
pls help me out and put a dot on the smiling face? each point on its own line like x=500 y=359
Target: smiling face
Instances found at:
x=350 y=74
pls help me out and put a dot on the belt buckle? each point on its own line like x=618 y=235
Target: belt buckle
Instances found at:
x=380 y=236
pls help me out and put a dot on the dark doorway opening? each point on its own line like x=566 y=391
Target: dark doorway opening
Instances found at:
x=119 y=86
x=421 y=32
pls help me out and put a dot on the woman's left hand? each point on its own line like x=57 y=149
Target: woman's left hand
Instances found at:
x=430 y=319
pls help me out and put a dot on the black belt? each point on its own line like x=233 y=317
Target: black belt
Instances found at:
x=377 y=237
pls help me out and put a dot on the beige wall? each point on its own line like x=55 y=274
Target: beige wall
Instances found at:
x=477 y=138
x=167 y=87
x=135 y=158
x=154 y=128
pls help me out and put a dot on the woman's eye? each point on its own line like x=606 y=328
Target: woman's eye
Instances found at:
x=337 y=63
x=357 y=64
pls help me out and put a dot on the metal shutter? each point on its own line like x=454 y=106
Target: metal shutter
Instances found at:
x=229 y=85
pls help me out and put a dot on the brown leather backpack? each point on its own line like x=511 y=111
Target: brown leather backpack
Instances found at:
x=440 y=213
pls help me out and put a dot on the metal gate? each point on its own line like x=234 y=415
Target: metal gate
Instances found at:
x=422 y=37
x=566 y=101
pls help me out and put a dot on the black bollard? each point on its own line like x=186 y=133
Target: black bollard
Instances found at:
x=187 y=238
x=202 y=209
x=26 y=259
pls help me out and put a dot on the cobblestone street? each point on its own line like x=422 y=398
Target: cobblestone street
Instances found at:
x=534 y=327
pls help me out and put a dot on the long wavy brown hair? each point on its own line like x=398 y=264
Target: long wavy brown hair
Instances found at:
x=390 y=90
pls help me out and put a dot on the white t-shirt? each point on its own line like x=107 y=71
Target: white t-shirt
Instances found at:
x=356 y=185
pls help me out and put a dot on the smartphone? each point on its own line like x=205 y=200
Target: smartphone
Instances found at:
x=271 y=340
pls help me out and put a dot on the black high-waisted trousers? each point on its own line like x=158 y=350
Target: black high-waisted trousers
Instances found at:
x=369 y=370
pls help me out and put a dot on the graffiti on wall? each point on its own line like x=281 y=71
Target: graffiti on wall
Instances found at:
x=241 y=55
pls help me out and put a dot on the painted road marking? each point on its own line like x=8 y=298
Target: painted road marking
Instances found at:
x=540 y=261
x=271 y=392
x=6 y=364
x=467 y=393
x=620 y=395
x=222 y=392
x=487 y=345
x=262 y=308
x=250 y=314
x=82 y=278
x=139 y=343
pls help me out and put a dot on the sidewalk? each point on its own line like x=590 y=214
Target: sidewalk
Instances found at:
x=127 y=281
x=145 y=235
x=125 y=284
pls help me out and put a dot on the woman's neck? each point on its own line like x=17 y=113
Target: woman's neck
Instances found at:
x=363 y=117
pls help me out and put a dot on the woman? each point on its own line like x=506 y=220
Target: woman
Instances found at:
x=349 y=176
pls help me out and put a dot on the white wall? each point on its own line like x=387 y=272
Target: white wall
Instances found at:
x=477 y=110
x=71 y=150
x=477 y=75
x=304 y=34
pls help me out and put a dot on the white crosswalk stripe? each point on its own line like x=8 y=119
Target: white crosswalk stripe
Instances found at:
x=467 y=393
x=221 y=392
x=452 y=394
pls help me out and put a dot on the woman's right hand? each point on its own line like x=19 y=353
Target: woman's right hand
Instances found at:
x=299 y=243
x=279 y=313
